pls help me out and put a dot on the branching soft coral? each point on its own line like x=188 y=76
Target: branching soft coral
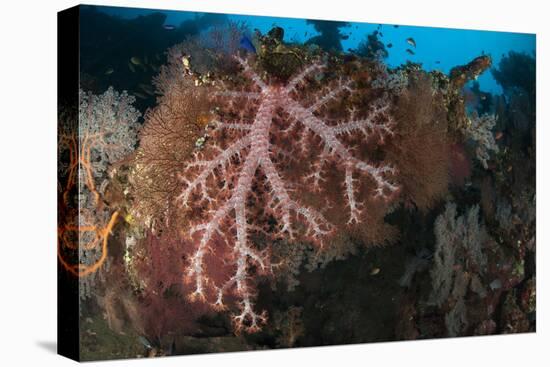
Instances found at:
x=106 y=131
x=459 y=263
x=479 y=129
x=222 y=180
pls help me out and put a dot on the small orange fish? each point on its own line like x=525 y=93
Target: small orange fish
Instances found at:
x=499 y=135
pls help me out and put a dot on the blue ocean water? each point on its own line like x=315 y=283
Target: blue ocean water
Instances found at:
x=436 y=48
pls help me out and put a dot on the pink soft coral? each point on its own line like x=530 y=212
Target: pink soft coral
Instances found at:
x=222 y=180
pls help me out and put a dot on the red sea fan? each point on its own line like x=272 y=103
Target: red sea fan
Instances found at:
x=460 y=165
x=420 y=148
x=162 y=307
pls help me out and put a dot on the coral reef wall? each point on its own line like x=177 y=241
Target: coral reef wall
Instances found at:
x=282 y=194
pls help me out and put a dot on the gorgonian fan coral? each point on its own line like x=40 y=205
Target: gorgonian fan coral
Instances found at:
x=166 y=142
x=245 y=163
x=420 y=147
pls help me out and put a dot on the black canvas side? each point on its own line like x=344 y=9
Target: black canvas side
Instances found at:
x=67 y=99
